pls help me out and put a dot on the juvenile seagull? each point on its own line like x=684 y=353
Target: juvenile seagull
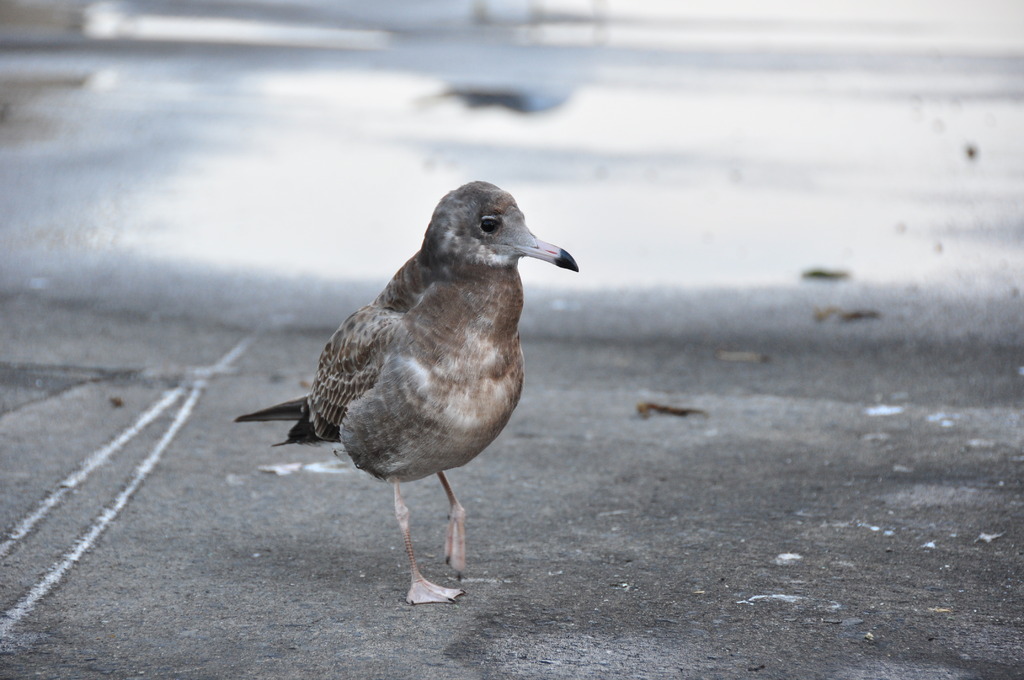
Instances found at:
x=425 y=377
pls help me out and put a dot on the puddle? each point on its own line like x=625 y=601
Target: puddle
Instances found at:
x=688 y=171
x=649 y=187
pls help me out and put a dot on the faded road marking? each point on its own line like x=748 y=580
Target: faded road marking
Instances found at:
x=201 y=377
x=95 y=460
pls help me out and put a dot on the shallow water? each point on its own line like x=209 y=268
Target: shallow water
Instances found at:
x=659 y=144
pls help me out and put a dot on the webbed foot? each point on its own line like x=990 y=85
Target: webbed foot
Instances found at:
x=423 y=591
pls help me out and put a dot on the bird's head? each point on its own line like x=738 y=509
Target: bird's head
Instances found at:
x=479 y=224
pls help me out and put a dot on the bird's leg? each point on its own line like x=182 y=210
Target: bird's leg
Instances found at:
x=455 y=539
x=421 y=591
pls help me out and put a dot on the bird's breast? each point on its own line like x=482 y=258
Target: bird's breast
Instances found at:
x=472 y=388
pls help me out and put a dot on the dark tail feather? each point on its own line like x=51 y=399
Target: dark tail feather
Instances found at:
x=301 y=433
x=289 y=410
x=298 y=410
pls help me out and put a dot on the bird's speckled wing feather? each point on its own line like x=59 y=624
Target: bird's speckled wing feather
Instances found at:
x=349 y=366
x=352 y=359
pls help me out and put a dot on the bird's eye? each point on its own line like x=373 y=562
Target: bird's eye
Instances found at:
x=489 y=223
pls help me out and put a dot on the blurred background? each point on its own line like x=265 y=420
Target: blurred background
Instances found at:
x=692 y=144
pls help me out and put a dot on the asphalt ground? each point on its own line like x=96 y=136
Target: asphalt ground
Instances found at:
x=783 y=532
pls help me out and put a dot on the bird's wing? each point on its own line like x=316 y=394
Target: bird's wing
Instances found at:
x=349 y=366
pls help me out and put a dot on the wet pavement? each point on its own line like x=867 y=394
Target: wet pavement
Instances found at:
x=194 y=197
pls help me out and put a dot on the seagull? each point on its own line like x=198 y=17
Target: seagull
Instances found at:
x=422 y=379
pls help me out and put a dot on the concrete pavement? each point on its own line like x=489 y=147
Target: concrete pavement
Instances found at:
x=789 y=533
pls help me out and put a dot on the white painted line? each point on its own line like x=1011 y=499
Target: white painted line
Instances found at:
x=19 y=611
x=224 y=364
x=13 y=615
x=96 y=459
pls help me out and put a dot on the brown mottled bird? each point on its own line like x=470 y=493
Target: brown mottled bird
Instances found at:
x=425 y=377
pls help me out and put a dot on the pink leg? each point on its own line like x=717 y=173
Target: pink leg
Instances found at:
x=455 y=539
x=421 y=591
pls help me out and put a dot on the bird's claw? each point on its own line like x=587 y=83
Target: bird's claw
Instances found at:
x=423 y=591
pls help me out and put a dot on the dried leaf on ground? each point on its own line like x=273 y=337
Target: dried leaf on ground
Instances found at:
x=826 y=274
x=824 y=313
x=644 y=408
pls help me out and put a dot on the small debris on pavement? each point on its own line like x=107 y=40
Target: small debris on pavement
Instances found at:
x=826 y=274
x=644 y=408
x=860 y=314
x=116 y=402
x=742 y=356
x=824 y=313
x=510 y=99
x=883 y=410
x=330 y=467
x=281 y=469
x=782 y=598
x=334 y=467
x=987 y=538
x=876 y=437
x=788 y=558
x=940 y=610
x=944 y=419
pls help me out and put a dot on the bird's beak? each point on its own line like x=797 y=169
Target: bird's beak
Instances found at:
x=549 y=253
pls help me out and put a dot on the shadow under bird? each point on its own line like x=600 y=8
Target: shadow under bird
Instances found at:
x=422 y=379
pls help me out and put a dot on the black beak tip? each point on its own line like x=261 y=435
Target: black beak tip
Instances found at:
x=566 y=261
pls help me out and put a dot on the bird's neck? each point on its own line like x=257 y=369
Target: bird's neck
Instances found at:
x=484 y=300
